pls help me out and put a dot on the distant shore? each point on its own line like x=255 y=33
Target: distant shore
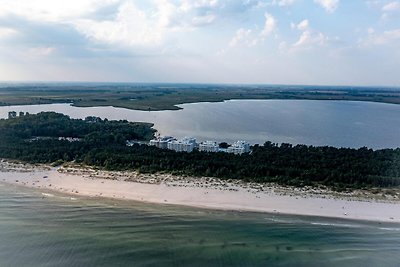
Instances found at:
x=204 y=192
x=157 y=97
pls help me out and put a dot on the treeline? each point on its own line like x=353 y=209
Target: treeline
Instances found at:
x=102 y=144
x=35 y=138
x=284 y=164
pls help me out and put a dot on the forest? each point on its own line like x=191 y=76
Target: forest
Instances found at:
x=102 y=143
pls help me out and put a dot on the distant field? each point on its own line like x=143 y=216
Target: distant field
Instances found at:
x=167 y=97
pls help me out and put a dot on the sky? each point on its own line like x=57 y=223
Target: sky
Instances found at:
x=308 y=42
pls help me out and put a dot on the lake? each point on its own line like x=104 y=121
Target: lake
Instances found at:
x=312 y=122
x=42 y=229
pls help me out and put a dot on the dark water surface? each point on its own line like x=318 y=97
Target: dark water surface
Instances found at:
x=55 y=230
x=312 y=122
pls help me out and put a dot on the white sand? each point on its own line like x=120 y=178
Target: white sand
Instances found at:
x=206 y=193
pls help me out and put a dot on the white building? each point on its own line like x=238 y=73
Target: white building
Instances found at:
x=186 y=144
x=69 y=139
x=239 y=147
x=209 y=146
x=12 y=114
x=162 y=142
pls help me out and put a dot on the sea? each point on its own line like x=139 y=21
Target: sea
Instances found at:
x=40 y=228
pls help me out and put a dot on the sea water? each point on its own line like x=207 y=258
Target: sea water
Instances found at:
x=42 y=228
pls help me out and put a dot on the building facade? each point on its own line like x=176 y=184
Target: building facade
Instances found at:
x=239 y=148
x=186 y=144
x=162 y=142
x=209 y=146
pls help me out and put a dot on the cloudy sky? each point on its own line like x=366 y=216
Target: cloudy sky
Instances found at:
x=335 y=42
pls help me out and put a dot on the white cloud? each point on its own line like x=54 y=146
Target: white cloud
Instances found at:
x=263 y=3
x=188 y=5
x=165 y=12
x=146 y=28
x=41 y=51
x=309 y=37
x=132 y=24
x=205 y=3
x=7 y=32
x=385 y=38
x=269 y=25
x=283 y=2
x=131 y=27
x=303 y=25
x=250 y=38
x=392 y=6
x=243 y=37
x=371 y=30
x=51 y=10
x=329 y=5
x=203 y=20
x=283 y=47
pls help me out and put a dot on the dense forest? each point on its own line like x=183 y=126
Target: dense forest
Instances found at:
x=102 y=143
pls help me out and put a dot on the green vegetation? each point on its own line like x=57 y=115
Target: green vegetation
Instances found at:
x=166 y=97
x=35 y=139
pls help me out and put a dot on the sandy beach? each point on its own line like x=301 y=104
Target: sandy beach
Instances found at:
x=204 y=192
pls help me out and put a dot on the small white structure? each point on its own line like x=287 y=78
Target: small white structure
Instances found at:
x=186 y=144
x=239 y=147
x=209 y=146
x=12 y=114
x=162 y=142
x=69 y=139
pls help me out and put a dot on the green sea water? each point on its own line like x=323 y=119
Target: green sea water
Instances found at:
x=41 y=229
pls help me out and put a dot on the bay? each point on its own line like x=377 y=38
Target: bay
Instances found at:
x=334 y=123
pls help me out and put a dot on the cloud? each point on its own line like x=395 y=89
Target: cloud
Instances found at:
x=329 y=5
x=309 y=37
x=389 y=37
x=128 y=23
x=392 y=6
x=303 y=25
x=283 y=2
x=50 y=10
x=131 y=27
x=7 y=32
x=41 y=51
x=269 y=25
x=244 y=37
x=251 y=38
x=203 y=20
x=196 y=4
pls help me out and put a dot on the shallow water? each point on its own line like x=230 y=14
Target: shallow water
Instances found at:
x=336 y=123
x=50 y=229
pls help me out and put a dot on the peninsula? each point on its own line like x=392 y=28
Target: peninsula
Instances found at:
x=167 y=96
x=53 y=138
x=90 y=157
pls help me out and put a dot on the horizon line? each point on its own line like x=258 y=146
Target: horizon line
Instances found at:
x=193 y=83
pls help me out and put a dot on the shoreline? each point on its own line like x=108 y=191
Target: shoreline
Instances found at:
x=204 y=192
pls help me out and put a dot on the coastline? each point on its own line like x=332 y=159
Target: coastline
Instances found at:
x=203 y=192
